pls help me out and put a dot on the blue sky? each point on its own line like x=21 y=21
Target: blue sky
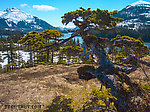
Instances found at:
x=52 y=10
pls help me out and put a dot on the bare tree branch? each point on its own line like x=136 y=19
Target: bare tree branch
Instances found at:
x=144 y=62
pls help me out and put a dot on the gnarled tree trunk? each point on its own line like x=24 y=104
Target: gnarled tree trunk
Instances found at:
x=106 y=66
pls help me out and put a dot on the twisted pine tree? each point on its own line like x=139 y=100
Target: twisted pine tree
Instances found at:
x=110 y=75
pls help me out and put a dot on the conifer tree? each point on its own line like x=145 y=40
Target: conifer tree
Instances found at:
x=88 y=20
x=29 y=40
x=10 y=54
x=1 y=58
x=50 y=36
x=71 y=51
x=13 y=55
x=78 y=42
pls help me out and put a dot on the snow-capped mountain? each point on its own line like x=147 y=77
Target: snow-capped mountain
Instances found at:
x=15 y=19
x=16 y=15
x=136 y=15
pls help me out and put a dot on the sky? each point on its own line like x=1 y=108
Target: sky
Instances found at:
x=52 y=10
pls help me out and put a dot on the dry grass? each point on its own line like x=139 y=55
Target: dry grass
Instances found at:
x=139 y=75
x=39 y=85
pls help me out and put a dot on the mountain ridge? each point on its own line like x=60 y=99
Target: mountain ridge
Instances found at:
x=15 y=19
x=135 y=15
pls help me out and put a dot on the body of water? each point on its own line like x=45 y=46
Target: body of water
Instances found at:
x=26 y=56
x=148 y=44
x=66 y=35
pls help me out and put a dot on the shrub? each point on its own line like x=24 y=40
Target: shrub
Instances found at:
x=83 y=74
x=146 y=88
x=94 y=100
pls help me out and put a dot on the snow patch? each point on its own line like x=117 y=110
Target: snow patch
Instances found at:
x=132 y=24
x=16 y=15
x=8 y=23
x=139 y=3
x=37 y=27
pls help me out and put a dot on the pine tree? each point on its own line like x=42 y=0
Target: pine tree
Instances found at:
x=50 y=36
x=71 y=51
x=1 y=58
x=78 y=42
x=107 y=72
x=10 y=54
x=30 y=40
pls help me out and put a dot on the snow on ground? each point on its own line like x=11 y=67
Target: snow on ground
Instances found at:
x=25 y=56
x=132 y=22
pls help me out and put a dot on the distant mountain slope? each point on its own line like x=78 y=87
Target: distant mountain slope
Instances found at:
x=136 y=15
x=15 y=19
x=136 y=22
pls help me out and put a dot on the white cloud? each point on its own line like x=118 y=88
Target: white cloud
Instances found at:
x=44 y=7
x=23 y=5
